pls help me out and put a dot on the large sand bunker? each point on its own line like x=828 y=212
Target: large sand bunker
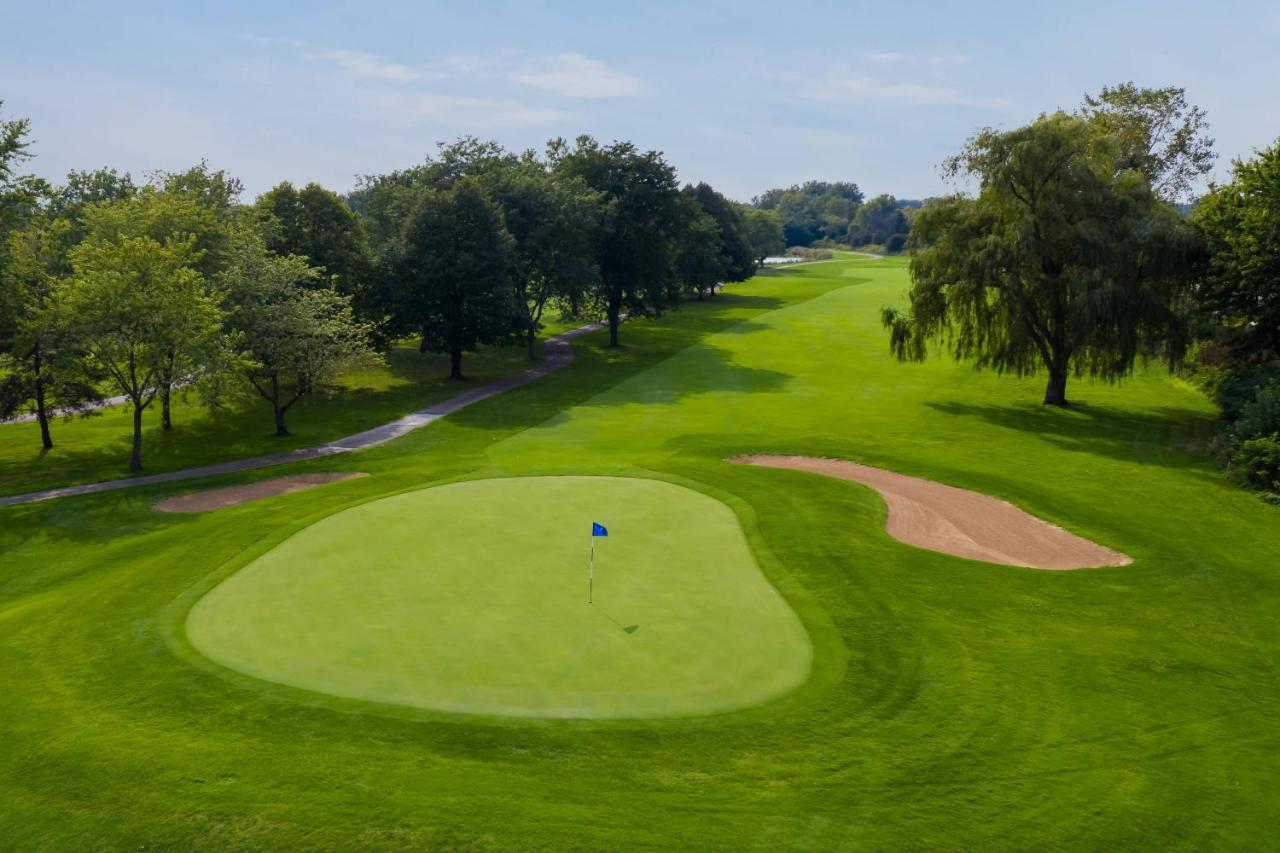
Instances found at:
x=957 y=521
x=208 y=499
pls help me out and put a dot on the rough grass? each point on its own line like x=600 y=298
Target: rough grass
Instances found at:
x=952 y=705
x=87 y=449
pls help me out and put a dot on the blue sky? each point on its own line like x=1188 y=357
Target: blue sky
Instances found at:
x=743 y=95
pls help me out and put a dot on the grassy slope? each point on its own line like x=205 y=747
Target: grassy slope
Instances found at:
x=493 y=618
x=953 y=705
x=97 y=447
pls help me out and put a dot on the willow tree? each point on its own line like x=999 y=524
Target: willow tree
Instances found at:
x=1066 y=260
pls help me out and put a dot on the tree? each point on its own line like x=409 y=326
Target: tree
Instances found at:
x=140 y=309
x=640 y=208
x=1062 y=261
x=555 y=229
x=296 y=336
x=763 y=232
x=193 y=205
x=453 y=272
x=318 y=225
x=39 y=370
x=701 y=263
x=1240 y=293
x=1158 y=133
x=876 y=221
x=740 y=262
x=813 y=210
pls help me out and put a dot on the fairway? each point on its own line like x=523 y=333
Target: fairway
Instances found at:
x=473 y=598
x=880 y=695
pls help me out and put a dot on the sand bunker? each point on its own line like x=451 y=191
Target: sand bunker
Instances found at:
x=232 y=495
x=957 y=521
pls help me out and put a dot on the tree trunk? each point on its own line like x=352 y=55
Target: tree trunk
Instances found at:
x=1056 y=392
x=42 y=413
x=166 y=423
x=615 y=312
x=135 y=458
x=455 y=364
x=281 y=429
x=532 y=339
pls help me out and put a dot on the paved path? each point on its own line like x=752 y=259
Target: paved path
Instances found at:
x=556 y=354
x=57 y=413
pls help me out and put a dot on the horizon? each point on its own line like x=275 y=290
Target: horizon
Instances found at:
x=270 y=96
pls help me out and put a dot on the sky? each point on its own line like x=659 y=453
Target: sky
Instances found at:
x=742 y=95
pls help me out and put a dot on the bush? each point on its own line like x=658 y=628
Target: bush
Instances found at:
x=1260 y=416
x=809 y=254
x=895 y=244
x=1257 y=462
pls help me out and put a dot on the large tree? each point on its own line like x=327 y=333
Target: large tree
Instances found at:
x=295 y=336
x=1240 y=294
x=317 y=224
x=1157 y=132
x=1064 y=261
x=877 y=220
x=701 y=262
x=640 y=211
x=739 y=257
x=39 y=368
x=140 y=310
x=195 y=204
x=554 y=223
x=453 y=273
x=813 y=210
x=763 y=232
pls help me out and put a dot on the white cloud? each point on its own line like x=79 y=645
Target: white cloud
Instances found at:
x=886 y=57
x=861 y=88
x=576 y=76
x=364 y=64
x=418 y=107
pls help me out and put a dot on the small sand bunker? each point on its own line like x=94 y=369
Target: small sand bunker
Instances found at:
x=957 y=521
x=231 y=495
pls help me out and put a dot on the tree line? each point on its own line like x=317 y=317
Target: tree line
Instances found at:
x=824 y=213
x=1076 y=257
x=144 y=289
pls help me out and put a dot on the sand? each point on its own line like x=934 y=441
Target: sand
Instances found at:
x=226 y=496
x=957 y=521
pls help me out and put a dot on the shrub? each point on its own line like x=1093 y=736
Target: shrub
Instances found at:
x=1257 y=462
x=1259 y=416
x=895 y=244
x=810 y=254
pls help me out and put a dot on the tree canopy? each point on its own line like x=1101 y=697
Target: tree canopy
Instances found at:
x=640 y=209
x=453 y=272
x=813 y=210
x=295 y=336
x=1156 y=132
x=1240 y=293
x=1064 y=261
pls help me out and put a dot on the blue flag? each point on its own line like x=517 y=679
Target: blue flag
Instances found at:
x=598 y=529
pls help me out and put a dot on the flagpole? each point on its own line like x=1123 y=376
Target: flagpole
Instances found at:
x=591 y=568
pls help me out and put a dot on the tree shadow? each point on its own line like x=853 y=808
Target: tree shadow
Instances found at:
x=1169 y=436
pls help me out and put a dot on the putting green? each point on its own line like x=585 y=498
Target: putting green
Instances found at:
x=473 y=598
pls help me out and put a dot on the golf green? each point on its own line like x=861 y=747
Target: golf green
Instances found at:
x=473 y=598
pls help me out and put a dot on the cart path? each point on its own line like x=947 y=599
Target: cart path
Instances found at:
x=556 y=354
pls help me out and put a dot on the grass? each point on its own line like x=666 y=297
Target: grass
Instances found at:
x=87 y=449
x=494 y=618
x=950 y=705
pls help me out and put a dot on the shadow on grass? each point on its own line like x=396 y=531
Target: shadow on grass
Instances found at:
x=1168 y=435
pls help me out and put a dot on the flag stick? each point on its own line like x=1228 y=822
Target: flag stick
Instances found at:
x=591 y=569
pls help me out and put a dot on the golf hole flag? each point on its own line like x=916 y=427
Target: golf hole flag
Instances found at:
x=597 y=529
